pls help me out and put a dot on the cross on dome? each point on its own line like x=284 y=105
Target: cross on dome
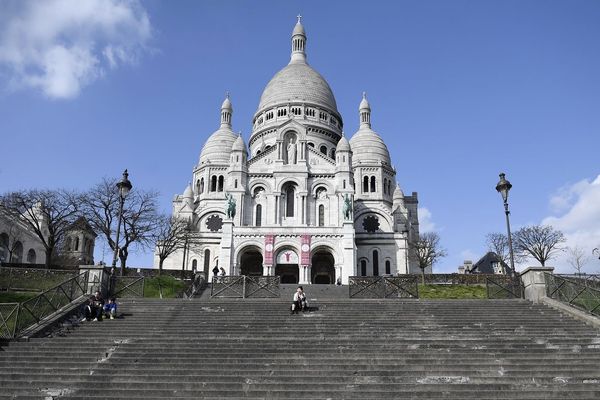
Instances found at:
x=299 y=18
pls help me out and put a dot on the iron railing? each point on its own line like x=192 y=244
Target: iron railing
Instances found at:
x=195 y=287
x=457 y=279
x=241 y=286
x=384 y=287
x=592 y=280
x=126 y=286
x=17 y=318
x=573 y=292
x=503 y=287
x=32 y=279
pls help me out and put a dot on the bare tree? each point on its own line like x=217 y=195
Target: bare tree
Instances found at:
x=427 y=251
x=101 y=208
x=169 y=236
x=498 y=244
x=538 y=241
x=14 y=240
x=577 y=258
x=48 y=214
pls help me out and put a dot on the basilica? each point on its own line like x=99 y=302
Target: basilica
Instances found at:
x=298 y=200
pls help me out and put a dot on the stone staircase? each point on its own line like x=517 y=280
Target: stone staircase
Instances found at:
x=345 y=349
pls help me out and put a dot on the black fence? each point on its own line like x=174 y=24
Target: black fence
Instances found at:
x=16 y=318
x=504 y=287
x=575 y=292
x=241 y=286
x=384 y=287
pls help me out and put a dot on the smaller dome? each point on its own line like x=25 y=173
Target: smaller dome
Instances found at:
x=239 y=144
x=343 y=145
x=188 y=193
x=368 y=148
x=398 y=193
x=217 y=149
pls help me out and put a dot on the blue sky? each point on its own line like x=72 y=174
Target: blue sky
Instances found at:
x=460 y=91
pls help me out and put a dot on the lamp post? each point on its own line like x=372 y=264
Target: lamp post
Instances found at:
x=503 y=187
x=123 y=187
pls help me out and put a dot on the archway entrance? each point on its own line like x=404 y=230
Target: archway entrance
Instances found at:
x=251 y=263
x=323 y=270
x=287 y=266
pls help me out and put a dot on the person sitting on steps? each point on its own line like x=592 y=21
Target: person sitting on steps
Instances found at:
x=92 y=311
x=299 y=301
x=110 y=308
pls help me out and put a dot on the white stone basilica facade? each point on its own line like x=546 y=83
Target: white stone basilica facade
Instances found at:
x=304 y=202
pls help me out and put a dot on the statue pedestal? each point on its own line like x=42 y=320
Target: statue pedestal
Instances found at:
x=226 y=247
x=349 y=252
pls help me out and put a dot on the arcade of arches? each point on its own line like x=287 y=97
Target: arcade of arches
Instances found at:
x=287 y=266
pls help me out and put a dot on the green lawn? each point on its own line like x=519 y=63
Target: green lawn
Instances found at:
x=16 y=297
x=452 y=292
x=169 y=286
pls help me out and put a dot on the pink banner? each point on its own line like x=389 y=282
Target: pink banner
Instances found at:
x=269 y=242
x=305 y=250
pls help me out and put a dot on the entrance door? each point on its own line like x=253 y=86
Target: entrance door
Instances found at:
x=323 y=270
x=289 y=273
x=251 y=263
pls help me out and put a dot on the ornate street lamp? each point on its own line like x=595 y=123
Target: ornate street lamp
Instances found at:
x=123 y=187
x=503 y=187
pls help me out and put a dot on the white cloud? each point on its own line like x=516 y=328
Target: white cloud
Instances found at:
x=60 y=46
x=578 y=206
x=426 y=223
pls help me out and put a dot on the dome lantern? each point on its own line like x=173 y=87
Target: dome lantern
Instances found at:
x=364 y=111
x=298 y=43
x=226 y=112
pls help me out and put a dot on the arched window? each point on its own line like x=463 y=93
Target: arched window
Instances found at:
x=344 y=184
x=194 y=265
x=76 y=244
x=258 y=215
x=311 y=144
x=363 y=268
x=323 y=149
x=206 y=261
x=373 y=188
x=235 y=184
x=68 y=244
x=384 y=186
x=221 y=181
x=375 y=263
x=289 y=201
x=213 y=183
x=31 y=256
x=321 y=215
x=388 y=267
x=332 y=153
x=366 y=184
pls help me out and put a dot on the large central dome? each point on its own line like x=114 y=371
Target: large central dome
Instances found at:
x=298 y=82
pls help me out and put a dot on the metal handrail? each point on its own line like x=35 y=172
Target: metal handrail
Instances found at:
x=242 y=286
x=386 y=287
x=16 y=318
x=503 y=287
x=573 y=292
